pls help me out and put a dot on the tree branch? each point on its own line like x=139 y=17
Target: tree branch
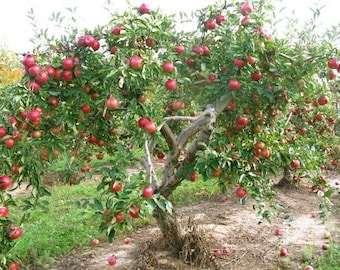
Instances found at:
x=147 y=163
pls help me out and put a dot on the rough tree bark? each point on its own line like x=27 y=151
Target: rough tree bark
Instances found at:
x=200 y=130
x=287 y=178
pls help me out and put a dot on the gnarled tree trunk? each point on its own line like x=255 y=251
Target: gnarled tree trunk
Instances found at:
x=287 y=178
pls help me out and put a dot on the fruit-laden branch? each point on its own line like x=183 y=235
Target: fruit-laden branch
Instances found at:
x=204 y=126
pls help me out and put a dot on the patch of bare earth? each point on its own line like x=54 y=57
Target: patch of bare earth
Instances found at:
x=252 y=243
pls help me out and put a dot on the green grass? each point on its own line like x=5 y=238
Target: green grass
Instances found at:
x=331 y=260
x=64 y=227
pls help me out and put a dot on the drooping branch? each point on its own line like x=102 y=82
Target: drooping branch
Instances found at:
x=169 y=136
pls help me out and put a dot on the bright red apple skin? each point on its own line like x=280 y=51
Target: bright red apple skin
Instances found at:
x=95 y=242
x=246 y=8
x=309 y=267
x=333 y=63
x=5 y=182
x=180 y=49
x=4 y=211
x=171 y=84
x=134 y=211
x=283 y=251
x=143 y=9
x=112 y=260
x=29 y=60
x=127 y=240
x=211 y=24
x=241 y=192
x=323 y=100
x=136 y=62
x=147 y=192
x=234 y=84
x=112 y=103
x=168 y=67
x=150 y=127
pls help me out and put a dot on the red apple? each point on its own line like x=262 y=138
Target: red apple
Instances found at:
x=3 y=211
x=238 y=62
x=323 y=100
x=33 y=86
x=211 y=24
x=34 y=70
x=68 y=63
x=295 y=163
x=143 y=121
x=150 y=127
x=245 y=21
x=193 y=176
x=14 y=266
x=234 y=84
x=86 y=109
x=127 y=240
x=308 y=267
x=136 y=62
x=283 y=251
x=168 y=67
x=242 y=121
x=67 y=75
x=177 y=105
x=112 y=103
x=278 y=231
x=29 y=60
x=112 y=260
x=115 y=186
x=226 y=249
x=10 y=142
x=42 y=78
x=3 y=132
x=119 y=217
x=241 y=192
x=144 y=9
x=246 y=8
x=134 y=211
x=220 y=19
x=116 y=30
x=217 y=252
x=180 y=49
x=333 y=63
x=256 y=76
x=95 y=242
x=171 y=84
x=147 y=192
x=150 y=42
x=265 y=153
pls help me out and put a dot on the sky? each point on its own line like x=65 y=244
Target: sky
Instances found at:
x=16 y=29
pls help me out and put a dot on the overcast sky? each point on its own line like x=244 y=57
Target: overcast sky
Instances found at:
x=16 y=29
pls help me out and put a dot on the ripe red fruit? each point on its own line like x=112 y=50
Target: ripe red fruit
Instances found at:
x=234 y=84
x=241 y=192
x=42 y=78
x=168 y=67
x=265 y=153
x=238 y=62
x=112 y=103
x=150 y=127
x=143 y=121
x=180 y=49
x=3 y=211
x=95 y=242
x=33 y=86
x=134 y=211
x=246 y=8
x=112 y=260
x=295 y=163
x=278 y=231
x=34 y=115
x=193 y=176
x=100 y=156
x=3 y=132
x=92 y=139
x=127 y=240
x=14 y=266
x=136 y=62
x=171 y=84
x=283 y=252
x=150 y=42
x=177 y=105
x=119 y=217
x=242 y=121
x=308 y=267
x=68 y=63
x=245 y=21
x=116 y=30
x=9 y=142
x=160 y=155
x=220 y=19
x=85 y=108
x=14 y=233
x=251 y=60
x=333 y=63
x=67 y=75
x=115 y=186
x=28 y=61
x=256 y=76
x=147 y=192
x=34 y=70
x=144 y=9
x=211 y=24
x=217 y=252
x=323 y=100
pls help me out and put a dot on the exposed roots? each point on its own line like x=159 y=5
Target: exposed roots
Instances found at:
x=158 y=254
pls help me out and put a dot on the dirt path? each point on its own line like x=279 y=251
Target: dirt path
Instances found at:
x=252 y=245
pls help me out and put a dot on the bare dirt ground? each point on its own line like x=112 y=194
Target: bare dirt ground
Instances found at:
x=252 y=245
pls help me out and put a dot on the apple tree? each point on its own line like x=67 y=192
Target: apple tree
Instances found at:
x=228 y=101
